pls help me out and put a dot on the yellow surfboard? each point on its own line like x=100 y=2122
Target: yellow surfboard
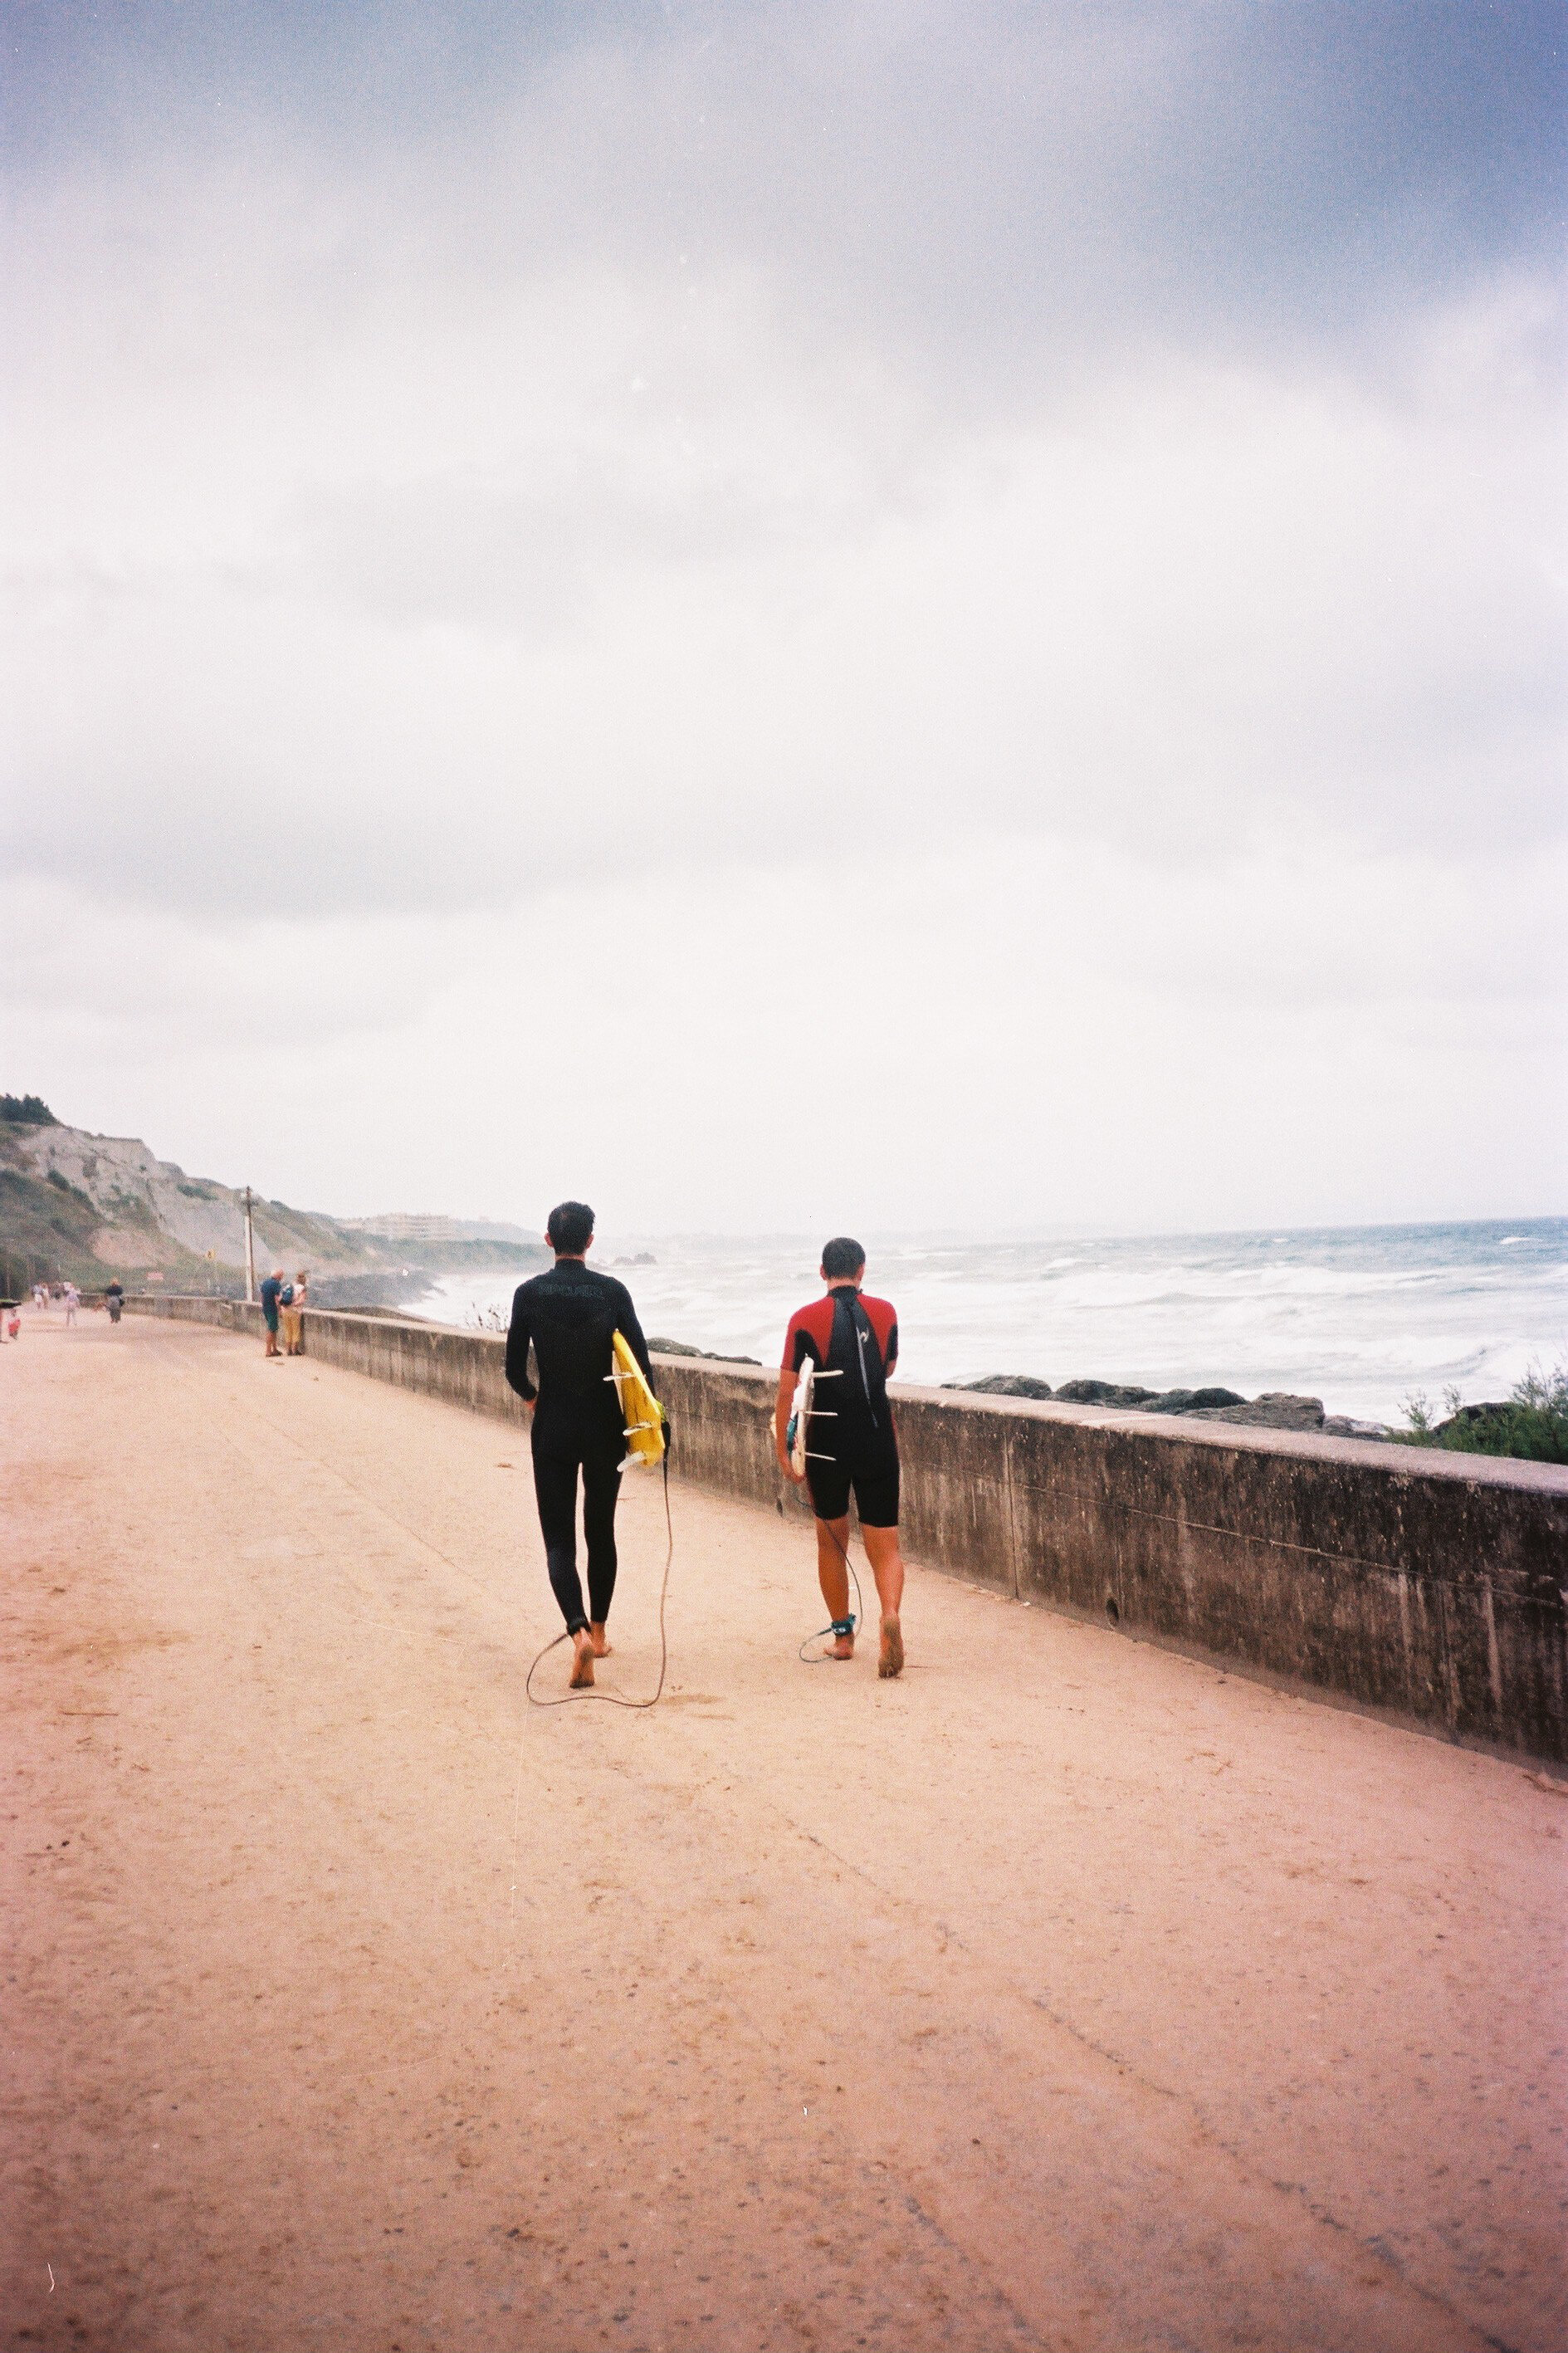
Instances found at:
x=641 y=1412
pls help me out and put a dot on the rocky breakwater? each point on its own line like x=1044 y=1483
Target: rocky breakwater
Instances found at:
x=1275 y=1410
x=685 y=1348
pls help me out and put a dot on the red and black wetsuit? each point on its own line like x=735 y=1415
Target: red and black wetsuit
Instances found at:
x=855 y=1339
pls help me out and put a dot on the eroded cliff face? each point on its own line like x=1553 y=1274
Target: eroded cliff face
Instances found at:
x=153 y=1214
x=78 y=1204
x=131 y=1190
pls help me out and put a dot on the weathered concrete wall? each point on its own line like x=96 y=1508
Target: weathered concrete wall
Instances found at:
x=1431 y=1586
x=466 y=1368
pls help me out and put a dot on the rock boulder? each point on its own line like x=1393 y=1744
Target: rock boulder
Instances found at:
x=1193 y=1400
x=1021 y=1385
x=1275 y=1410
x=1104 y=1393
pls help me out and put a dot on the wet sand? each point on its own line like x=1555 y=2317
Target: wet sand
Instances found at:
x=1064 y=1993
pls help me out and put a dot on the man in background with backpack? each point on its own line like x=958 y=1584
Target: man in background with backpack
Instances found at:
x=852 y=1341
x=570 y=1317
x=271 y=1293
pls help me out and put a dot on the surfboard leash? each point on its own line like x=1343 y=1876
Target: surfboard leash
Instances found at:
x=826 y=1657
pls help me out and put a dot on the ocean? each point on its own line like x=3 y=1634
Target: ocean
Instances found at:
x=1361 y=1316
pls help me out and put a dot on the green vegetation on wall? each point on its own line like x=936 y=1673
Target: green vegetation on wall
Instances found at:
x=1531 y=1426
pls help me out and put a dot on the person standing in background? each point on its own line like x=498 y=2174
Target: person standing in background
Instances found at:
x=292 y=1303
x=271 y=1292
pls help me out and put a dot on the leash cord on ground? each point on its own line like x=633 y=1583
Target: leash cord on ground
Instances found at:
x=612 y=1699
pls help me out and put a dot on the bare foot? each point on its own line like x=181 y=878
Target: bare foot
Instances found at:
x=600 y=1641
x=891 y=1662
x=843 y=1647
x=582 y=1662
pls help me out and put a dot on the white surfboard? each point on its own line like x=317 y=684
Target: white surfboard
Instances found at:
x=802 y=1412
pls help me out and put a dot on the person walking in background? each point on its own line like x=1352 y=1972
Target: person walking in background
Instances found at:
x=292 y=1302
x=73 y=1301
x=114 y=1300
x=271 y=1292
x=852 y=1443
x=570 y=1317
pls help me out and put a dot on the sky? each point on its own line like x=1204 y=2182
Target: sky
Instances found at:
x=880 y=617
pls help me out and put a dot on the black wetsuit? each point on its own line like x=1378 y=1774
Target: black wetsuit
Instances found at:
x=570 y=1315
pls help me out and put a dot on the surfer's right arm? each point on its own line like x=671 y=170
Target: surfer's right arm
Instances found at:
x=519 y=1334
x=797 y=1348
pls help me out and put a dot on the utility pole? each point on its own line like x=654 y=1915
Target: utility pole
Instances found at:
x=249 y=1252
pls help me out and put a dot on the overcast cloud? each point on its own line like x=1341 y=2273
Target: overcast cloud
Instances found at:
x=1009 y=561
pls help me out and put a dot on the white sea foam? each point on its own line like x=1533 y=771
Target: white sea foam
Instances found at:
x=1361 y=1317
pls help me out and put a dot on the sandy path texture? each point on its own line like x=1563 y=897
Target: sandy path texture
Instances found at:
x=1065 y=1993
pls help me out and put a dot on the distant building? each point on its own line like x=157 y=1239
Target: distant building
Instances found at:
x=400 y=1225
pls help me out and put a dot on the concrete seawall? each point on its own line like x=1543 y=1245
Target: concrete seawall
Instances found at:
x=1427 y=1586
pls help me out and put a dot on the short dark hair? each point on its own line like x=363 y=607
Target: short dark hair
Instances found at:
x=842 y=1257
x=571 y=1227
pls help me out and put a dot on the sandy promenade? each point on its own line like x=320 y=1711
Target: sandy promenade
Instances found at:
x=1064 y=1994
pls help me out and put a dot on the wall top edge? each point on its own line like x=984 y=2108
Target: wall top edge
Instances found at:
x=1415 y=1463
x=1239 y=1436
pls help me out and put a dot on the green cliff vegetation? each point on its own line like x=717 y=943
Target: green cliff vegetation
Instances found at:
x=1530 y=1426
x=26 y=1111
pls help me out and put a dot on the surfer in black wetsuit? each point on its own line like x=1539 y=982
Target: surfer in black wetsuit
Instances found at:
x=569 y=1317
x=852 y=1339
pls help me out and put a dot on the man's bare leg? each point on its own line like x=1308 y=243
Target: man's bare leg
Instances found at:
x=599 y=1641
x=833 y=1575
x=888 y=1568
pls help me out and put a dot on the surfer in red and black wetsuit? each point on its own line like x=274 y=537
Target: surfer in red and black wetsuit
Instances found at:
x=851 y=1442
